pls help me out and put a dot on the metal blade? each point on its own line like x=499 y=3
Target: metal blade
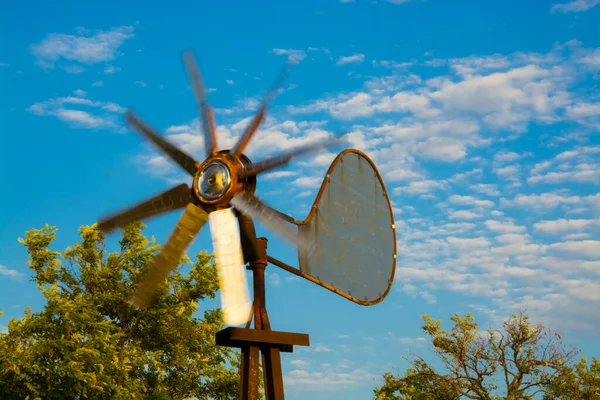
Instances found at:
x=188 y=226
x=252 y=207
x=247 y=237
x=283 y=159
x=206 y=117
x=242 y=143
x=182 y=159
x=173 y=199
x=232 y=277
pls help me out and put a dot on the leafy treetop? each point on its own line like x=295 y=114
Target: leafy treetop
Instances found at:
x=90 y=342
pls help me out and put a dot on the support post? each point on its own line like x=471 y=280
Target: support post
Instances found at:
x=261 y=337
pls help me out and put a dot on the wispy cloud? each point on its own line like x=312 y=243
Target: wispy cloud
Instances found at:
x=326 y=380
x=10 y=273
x=81 y=112
x=294 y=55
x=353 y=59
x=85 y=48
x=111 y=69
x=575 y=6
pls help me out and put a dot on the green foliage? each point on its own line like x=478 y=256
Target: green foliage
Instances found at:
x=579 y=381
x=90 y=342
x=520 y=362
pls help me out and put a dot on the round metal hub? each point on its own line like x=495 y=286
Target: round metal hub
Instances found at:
x=213 y=181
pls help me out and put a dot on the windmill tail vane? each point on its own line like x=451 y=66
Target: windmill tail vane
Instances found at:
x=224 y=179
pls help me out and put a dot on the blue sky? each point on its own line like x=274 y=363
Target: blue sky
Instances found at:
x=482 y=118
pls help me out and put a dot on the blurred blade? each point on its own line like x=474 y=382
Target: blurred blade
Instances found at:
x=232 y=277
x=182 y=159
x=242 y=143
x=206 y=117
x=283 y=159
x=173 y=199
x=247 y=237
x=188 y=226
x=252 y=207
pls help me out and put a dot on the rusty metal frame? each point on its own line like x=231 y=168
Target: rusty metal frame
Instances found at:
x=308 y=219
x=260 y=339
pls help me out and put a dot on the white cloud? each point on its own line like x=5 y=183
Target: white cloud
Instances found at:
x=542 y=201
x=585 y=248
x=470 y=201
x=81 y=112
x=410 y=341
x=561 y=226
x=510 y=172
x=299 y=363
x=488 y=189
x=463 y=214
x=307 y=182
x=73 y=69
x=84 y=48
x=357 y=106
x=420 y=187
x=111 y=69
x=575 y=6
x=322 y=349
x=326 y=380
x=273 y=279
x=468 y=243
x=391 y=64
x=591 y=60
x=294 y=55
x=506 y=157
x=503 y=226
x=580 y=164
x=583 y=109
x=353 y=59
x=278 y=175
x=580 y=173
x=442 y=149
x=82 y=118
x=11 y=273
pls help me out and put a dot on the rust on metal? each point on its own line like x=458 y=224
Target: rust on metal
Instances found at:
x=260 y=338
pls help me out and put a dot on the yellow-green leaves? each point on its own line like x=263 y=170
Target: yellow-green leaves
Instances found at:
x=517 y=361
x=90 y=342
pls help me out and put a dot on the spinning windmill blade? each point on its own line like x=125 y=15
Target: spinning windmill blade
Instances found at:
x=223 y=179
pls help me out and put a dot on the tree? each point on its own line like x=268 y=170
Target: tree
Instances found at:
x=580 y=381
x=90 y=342
x=520 y=362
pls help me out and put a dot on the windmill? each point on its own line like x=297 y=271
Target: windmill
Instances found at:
x=347 y=243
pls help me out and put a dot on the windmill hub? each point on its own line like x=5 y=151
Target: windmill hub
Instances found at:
x=213 y=181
